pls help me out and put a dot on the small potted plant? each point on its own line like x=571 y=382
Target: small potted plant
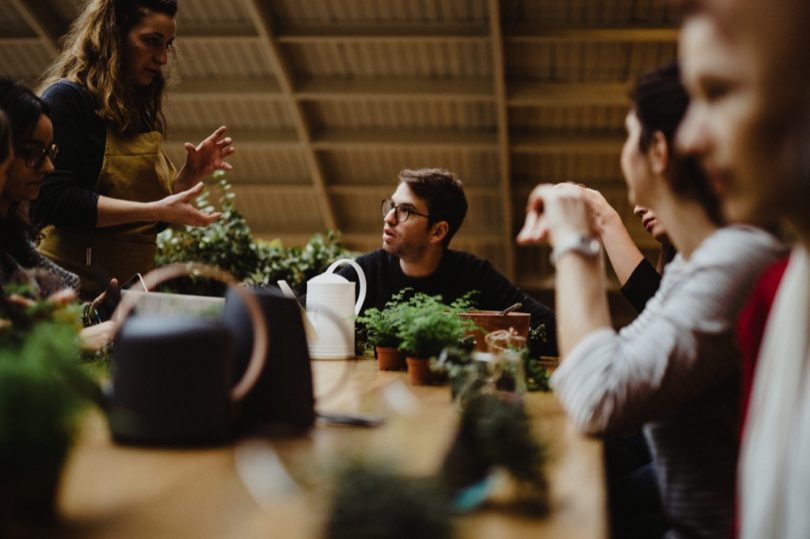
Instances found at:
x=426 y=327
x=372 y=501
x=495 y=432
x=42 y=389
x=382 y=332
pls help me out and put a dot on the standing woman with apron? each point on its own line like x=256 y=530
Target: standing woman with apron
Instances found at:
x=113 y=185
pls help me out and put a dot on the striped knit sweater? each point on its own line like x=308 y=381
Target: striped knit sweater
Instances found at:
x=674 y=371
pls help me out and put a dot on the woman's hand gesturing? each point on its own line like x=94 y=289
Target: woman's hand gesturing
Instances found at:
x=554 y=211
x=178 y=209
x=204 y=159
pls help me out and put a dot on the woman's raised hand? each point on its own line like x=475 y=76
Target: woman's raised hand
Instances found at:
x=204 y=159
x=178 y=209
x=553 y=211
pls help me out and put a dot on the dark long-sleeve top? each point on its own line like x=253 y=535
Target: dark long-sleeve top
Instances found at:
x=458 y=273
x=642 y=284
x=68 y=196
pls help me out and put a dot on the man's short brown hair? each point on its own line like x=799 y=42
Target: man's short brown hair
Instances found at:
x=443 y=194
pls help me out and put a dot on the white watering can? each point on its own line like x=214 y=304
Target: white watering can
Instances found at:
x=331 y=309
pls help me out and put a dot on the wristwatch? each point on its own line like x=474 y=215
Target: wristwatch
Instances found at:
x=587 y=246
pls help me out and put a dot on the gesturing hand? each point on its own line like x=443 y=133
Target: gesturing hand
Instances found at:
x=205 y=158
x=554 y=211
x=177 y=209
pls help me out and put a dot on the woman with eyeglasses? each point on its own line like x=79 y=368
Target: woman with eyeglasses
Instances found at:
x=114 y=187
x=32 y=151
x=27 y=134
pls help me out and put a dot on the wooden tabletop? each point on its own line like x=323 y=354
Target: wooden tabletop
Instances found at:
x=278 y=487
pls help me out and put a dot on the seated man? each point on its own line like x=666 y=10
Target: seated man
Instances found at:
x=420 y=219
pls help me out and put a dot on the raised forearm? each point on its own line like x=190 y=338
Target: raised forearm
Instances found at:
x=621 y=250
x=113 y=211
x=581 y=299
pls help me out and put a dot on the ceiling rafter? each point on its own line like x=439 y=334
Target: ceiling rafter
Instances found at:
x=260 y=12
x=528 y=34
x=534 y=94
x=502 y=115
x=43 y=20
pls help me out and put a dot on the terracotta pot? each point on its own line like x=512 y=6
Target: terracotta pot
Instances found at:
x=389 y=359
x=419 y=372
x=489 y=321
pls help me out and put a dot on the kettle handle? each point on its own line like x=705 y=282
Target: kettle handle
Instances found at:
x=173 y=271
x=362 y=296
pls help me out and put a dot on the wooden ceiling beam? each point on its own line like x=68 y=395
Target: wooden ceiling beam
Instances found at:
x=527 y=34
x=384 y=189
x=566 y=144
x=369 y=139
x=262 y=17
x=43 y=21
x=504 y=155
x=243 y=138
x=335 y=89
x=242 y=88
x=557 y=94
x=352 y=32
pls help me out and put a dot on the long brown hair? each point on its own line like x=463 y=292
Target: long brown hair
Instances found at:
x=93 y=56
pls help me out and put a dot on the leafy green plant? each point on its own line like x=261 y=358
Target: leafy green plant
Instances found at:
x=228 y=243
x=372 y=501
x=42 y=389
x=381 y=327
x=495 y=432
x=537 y=375
x=426 y=325
x=296 y=265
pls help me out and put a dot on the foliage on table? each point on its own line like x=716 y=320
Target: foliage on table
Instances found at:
x=427 y=326
x=228 y=243
x=380 y=327
x=537 y=375
x=495 y=432
x=371 y=501
x=43 y=387
x=296 y=265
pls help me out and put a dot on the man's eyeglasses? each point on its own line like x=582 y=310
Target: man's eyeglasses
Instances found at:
x=403 y=211
x=35 y=156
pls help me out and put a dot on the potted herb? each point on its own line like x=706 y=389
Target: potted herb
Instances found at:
x=426 y=327
x=371 y=501
x=465 y=374
x=42 y=389
x=495 y=432
x=382 y=332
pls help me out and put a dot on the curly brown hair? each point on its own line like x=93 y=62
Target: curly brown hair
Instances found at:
x=93 y=56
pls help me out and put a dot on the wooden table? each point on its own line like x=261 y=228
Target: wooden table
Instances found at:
x=117 y=491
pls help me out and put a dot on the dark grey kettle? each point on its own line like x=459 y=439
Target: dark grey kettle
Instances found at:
x=172 y=376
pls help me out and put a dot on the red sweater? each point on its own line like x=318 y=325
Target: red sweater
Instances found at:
x=751 y=328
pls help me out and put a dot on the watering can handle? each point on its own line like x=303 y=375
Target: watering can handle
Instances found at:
x=362 y=296
x=172 y=271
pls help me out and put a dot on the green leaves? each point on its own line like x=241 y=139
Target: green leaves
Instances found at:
x=426 y=325
x=228 y=243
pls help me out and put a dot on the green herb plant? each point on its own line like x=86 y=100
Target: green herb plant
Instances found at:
x=373 y=501
x=426 y=325
x=228 y=243
x=43 y=387
x=495 y=432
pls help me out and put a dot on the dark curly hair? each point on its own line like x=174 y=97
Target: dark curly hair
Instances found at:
x=660 y=102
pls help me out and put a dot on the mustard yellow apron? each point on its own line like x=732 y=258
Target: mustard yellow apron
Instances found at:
x=135 y=168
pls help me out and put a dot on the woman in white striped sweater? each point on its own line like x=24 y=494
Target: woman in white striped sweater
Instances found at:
x=674 y=369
